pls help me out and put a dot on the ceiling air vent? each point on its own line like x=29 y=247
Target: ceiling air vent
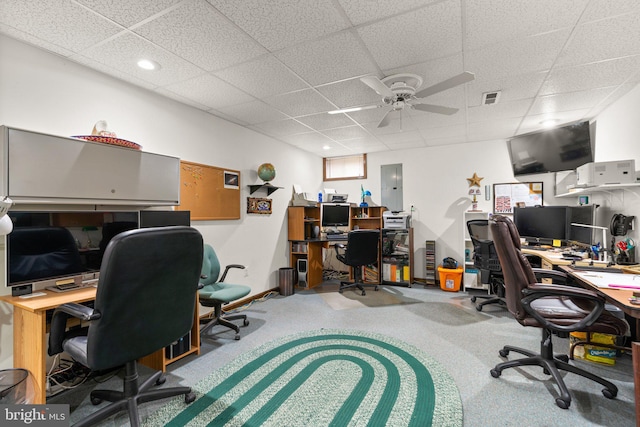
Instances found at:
x=489 y=98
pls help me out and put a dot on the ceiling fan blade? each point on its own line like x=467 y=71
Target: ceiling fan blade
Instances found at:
x=352 y=109
x=391 y=114
x=447 y=84
x=435 y=109
x=376 y=84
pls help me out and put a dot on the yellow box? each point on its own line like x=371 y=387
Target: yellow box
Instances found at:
x=593 y=352
x=450 y=278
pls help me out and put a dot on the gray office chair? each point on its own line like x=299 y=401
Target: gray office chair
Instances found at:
x=361 y=250
x=215 y=293
x=145 y=301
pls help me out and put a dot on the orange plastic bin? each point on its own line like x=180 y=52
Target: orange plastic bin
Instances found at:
x=450 y=278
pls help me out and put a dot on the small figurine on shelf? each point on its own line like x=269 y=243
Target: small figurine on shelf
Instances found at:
x=475 y=192
x=364 y=194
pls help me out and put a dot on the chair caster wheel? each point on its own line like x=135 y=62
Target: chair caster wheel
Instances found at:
x=562 y=403
x=161 y=380
x=340 y=290
x=503 y=353
x=364 y=293
x=609 y=394
x=479 y=307
x=189 y=397
x=95 y=400
x=495 y=373
x=473 y=299
x=237 y=337
x=246 y=322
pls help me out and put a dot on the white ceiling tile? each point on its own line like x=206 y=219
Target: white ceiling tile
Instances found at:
x=198 y=33
x=62 y=23
x=210 y=91
x=401 y=137
x=91 y=63
x=366 y=117
x=368 y=144
x=280 y=24
x=425 y=120
x=281 y=128
x=301 y=103
x=599 y=9
x=181 y=99
x=361 y=11
x=512 y=87
x=349 y=93
x=253 y=112
x=123 y=53
x=532 y=122
x=227 y=117
x=345 y=133
x=596 y=41
x=337 y=57
x=301 y=139
x=589 y=76
x=501 y=110
x=31 y=39
x=436 y=133
x=128 y=12
x=428 y=33
x=495 y=129
x=570 y=101
x=324 y=121
x=488 y=22
x=399 y=123
x=262 y=77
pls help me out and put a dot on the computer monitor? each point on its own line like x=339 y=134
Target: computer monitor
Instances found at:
x=541 y=225
x=335 y=215
x=581 y=215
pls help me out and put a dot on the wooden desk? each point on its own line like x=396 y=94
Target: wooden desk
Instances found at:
x=30 y=334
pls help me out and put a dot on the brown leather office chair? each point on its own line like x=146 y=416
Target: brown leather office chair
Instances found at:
x=558 y=309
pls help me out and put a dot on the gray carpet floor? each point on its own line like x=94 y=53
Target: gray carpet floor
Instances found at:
x=445 y=325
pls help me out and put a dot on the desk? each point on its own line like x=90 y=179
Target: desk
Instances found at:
x=30 y=334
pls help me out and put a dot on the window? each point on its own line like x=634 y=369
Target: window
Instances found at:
x=345 y=167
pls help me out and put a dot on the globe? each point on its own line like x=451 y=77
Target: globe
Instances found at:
x=266 y=172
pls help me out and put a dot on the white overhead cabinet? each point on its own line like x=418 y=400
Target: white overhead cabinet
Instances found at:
x=41 y=169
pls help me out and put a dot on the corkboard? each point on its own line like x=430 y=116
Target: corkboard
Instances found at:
x=209 y=192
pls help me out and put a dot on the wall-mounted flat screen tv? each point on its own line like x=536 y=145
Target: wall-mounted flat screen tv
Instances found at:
x=553 y=150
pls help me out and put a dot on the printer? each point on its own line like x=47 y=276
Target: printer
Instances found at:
x=602 y=173
x=396 y=219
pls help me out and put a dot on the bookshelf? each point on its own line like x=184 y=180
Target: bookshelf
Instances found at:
x=397 y=256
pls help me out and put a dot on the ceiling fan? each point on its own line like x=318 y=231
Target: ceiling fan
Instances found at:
x=398 y=92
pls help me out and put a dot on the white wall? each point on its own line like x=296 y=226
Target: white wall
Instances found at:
x=47 y=93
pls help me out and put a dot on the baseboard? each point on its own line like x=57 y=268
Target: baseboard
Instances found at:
x=240 y=303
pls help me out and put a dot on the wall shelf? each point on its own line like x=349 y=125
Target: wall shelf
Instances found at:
x=575 y=192
x=266 y=186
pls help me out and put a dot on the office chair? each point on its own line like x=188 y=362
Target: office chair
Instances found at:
x=214 y=293
x=361 y=250
x=145 y=301
x=42 y=252
x=556 y=309
x=486 y=260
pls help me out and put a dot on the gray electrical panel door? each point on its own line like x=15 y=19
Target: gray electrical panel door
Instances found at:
x=391 y=176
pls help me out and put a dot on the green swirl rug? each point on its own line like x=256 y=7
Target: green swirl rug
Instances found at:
x=322 y=378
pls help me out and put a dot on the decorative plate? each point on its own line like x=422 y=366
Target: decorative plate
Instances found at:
x=109 y=140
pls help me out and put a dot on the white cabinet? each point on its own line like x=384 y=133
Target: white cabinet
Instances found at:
x=471 y=279
x=42 y=169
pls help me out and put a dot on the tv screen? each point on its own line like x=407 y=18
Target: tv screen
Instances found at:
x=554 y=150
x=541 y=224
x=335 y=214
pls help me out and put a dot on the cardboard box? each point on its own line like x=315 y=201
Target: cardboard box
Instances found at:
x=592 y=352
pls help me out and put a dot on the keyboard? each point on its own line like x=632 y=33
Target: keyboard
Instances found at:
x=64 y=287
x=597 y=269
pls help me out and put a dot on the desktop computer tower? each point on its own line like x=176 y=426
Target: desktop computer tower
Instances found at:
x=302 y=273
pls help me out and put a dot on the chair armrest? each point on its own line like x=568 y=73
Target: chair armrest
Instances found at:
x=558 y=277
x=228 y=267
x=538 y=290
x=59 y=319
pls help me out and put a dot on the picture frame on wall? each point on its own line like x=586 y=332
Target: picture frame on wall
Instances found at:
x=257 y=205
x=517 y=194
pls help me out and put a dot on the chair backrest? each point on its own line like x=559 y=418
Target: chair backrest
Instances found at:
x=42 y=252
x=484 y=251
x=516 y=269
x=362 y=247
x=146 y=295
x=210 y=266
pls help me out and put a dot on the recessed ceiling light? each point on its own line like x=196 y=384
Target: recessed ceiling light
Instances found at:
x=326 y=147
x=147 y=64
x=549 y=123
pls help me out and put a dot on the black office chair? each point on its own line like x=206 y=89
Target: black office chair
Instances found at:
x=361 y=250
x=556 y=309
x=145 y=301
x=486 y=260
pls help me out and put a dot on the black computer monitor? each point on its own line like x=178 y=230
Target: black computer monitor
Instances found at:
x=335 y=214
x=581 y=215
x=541 y=225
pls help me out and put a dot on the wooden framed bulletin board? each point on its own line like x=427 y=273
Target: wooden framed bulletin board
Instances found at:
x=209 y=192
x=508 y=196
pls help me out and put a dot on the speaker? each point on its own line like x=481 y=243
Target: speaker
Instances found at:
x=302 y=273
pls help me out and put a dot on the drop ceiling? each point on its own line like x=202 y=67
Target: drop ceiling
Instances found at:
x=278 y=67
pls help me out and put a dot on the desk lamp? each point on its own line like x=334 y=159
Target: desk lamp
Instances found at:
x=604 y=237
x=6 y=225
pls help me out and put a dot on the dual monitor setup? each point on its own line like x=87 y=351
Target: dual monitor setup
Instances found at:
x=544 y=225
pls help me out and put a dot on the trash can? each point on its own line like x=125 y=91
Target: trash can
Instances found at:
x=16 y=387
x=286 y=277
x=450 y=278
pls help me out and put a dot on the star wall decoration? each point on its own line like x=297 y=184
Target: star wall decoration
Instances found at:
x=474 y=180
